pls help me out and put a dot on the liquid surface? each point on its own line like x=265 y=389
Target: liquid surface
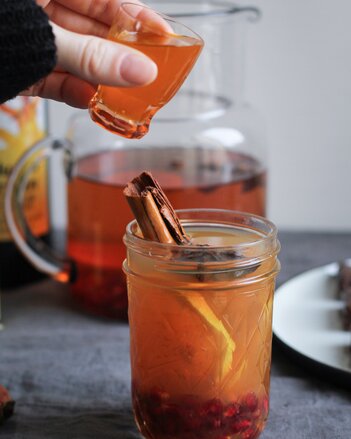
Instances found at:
x=221 y=235
x=149 y=39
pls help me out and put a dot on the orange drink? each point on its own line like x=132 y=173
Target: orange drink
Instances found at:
x=128 y=111
x=200 y=327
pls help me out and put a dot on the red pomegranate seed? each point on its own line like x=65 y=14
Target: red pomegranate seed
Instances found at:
x=240 y=425
x=191 y=419
x=231 y=410
x=212 y=407
x=251 y=402
x=256 y=414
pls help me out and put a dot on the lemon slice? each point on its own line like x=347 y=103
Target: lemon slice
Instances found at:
x=203 y=308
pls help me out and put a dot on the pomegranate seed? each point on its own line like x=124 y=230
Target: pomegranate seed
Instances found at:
x=240 y=425
x=251 y=402
x=256 y=414
x=190 y=418
x=213 y=407
x=231 y=410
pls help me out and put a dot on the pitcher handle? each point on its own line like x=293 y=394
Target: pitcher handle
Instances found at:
x=35 y=250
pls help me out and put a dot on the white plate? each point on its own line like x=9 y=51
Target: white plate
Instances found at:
x=307 y=320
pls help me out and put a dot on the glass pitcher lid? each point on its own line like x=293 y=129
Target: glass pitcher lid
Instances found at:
x=201 y=8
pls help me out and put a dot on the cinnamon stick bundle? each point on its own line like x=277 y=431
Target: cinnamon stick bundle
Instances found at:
x=153 y=211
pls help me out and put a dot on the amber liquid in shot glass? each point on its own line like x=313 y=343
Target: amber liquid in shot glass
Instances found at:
x=129 y=110
x=201 y=331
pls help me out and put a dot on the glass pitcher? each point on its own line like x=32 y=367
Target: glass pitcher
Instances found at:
x=206 y=148
x=208 y=141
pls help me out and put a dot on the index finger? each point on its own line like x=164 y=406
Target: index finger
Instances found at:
x=105 y=11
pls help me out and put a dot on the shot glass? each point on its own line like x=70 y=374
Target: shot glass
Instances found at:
x=201 y=327
x=171 y=45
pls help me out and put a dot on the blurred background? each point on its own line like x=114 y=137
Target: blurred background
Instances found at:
x=298 y=68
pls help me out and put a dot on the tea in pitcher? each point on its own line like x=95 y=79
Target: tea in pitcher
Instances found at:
x=98 y=212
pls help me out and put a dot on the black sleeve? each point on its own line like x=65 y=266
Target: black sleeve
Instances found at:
x=27 y=46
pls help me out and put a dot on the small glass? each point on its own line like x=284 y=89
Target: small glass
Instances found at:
x=201 y=327
x=171 y=45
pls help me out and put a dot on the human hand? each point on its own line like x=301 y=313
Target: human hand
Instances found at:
x=84 y=57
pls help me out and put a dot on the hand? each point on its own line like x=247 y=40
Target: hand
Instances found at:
x=84 y=57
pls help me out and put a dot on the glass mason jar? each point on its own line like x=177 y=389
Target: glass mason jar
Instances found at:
x=201 y=327
x=206 y=149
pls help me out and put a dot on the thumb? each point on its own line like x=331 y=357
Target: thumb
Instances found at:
x=101 y=61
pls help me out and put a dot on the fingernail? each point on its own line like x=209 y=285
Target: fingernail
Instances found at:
x=138 y=69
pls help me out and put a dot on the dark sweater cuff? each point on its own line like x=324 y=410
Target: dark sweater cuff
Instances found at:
x=27 y=46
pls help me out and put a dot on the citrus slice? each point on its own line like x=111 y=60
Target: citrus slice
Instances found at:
x=202 y=307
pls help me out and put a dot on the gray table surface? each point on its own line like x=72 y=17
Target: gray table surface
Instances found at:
x=70 y=376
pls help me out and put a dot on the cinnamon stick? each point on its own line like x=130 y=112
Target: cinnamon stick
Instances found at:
x=153 y=211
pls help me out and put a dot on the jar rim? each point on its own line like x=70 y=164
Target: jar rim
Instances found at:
x=266 y=228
